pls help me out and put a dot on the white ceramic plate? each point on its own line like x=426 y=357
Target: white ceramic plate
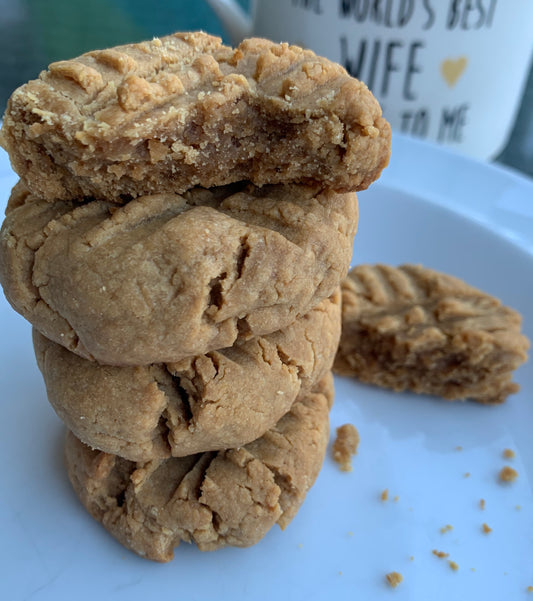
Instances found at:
x=430 y=207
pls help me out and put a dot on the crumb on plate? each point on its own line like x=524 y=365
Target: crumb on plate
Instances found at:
x=394 y=578
x=345 y=446
x=508 y=453
x=486 y=528
x=482 y=503
x=453 y=565
x=446 y=528
x=440 y=554
x=508 y=474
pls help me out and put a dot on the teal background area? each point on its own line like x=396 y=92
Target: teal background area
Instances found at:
x=34 y=33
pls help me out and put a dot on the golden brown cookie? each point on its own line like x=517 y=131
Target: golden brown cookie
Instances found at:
x=232 y=497
x=172 y=276
x=185 y=111
x=413 y=328
x=221 y=400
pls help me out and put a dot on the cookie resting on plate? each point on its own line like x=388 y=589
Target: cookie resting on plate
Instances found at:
x=414 y=328
x=170 y=276
x=184 y=111
x=230 y=497
x=221 y=400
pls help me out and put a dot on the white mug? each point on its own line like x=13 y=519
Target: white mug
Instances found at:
x=450 y=71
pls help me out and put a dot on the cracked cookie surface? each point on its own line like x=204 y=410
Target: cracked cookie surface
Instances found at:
x=231 y=497
x=414 y=328
x=171 y=276
x=221 y=400
x=184 y=111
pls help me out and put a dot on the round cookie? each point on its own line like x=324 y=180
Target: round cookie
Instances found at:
x=182 y=111
x=231 y=497
x=221 y=400
x=168 y=276
x=414 y=328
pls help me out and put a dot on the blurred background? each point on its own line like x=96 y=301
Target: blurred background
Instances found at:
x=34 y=33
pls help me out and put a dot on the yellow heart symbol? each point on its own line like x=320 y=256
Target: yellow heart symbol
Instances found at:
x=453 y=69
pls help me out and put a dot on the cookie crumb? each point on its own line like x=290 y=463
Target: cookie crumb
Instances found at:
x=446 y=528
x=385 y=495
x=350 y=533
x=459 y=448
x=508 y=474
x=472 y=569
x=482 y=504
x=412 y=558
x=345 y=446
x=440 y=554
x=396 y=499
x=467 y=474
x=518 y=507
x=453 y=565
x=486 y=528
x=394 y=579
x=529 y=589
x=508 y=453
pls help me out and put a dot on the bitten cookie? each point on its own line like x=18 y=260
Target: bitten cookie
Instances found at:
x=232 y=497
x=184 y=110
x=413 y=328
x=221 y=400
x=171 y=276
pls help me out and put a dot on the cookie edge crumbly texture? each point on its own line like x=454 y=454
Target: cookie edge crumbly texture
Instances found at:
x=63 y=151
x=377 y=348
x=108 y=496
x=153 y=420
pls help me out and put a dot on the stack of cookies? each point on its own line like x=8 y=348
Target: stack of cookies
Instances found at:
x=185 y=215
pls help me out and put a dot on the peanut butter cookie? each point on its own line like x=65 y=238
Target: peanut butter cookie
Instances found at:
x=169 y=276
x=231 y=497
x=413 y=328
x=184 y=111
x=221 y=400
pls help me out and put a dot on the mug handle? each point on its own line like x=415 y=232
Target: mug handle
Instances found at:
x=236 y=22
